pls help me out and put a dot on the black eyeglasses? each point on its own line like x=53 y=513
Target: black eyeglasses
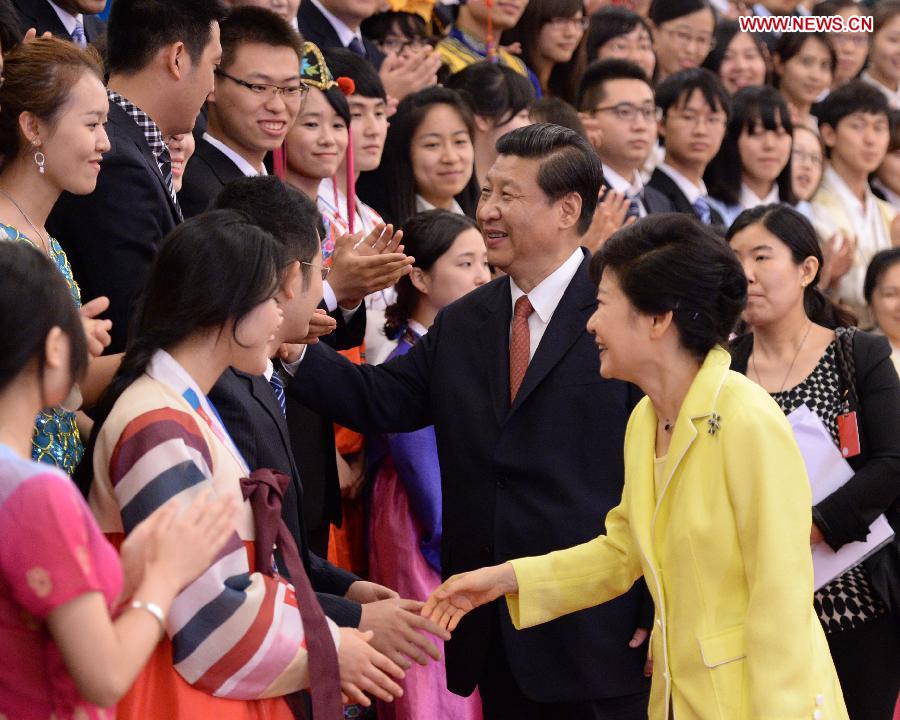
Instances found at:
x=293 y=92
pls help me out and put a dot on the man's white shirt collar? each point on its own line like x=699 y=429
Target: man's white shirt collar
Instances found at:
x=691 y=191
x=545 y=296
x=68 y=20
x=344 y=33
x=242 y=164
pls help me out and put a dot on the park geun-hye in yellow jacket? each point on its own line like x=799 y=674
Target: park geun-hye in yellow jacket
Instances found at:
x=725 y=553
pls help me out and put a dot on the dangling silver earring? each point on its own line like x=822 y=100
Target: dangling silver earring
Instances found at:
x=40 y=161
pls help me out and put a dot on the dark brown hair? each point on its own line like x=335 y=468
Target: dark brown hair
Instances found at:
x=39 y=76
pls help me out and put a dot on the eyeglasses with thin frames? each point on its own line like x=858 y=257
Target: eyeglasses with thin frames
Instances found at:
x=627 y=112
x=324 y=269
x=292 y=92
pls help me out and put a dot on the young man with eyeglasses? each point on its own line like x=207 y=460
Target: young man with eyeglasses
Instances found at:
x=694 y=109
x=258 y=94
x=617 y=100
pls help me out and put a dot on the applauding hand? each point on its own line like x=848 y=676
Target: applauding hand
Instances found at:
x=463 y=593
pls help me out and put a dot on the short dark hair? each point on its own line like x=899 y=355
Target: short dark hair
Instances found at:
x=755 y=109
x=609 y=23
x=285 y=212
x=10 y=26
x=377 y=27
x=255 y=25
x=568 y=164
x=795 y=231
x=591 y=90
x=881 y=262
x=882 y=13
x=790 y=44
x=346 y=63
x=831 y=7
x=678 y=88
x=138 y=29
x=671 y=262
x=28 y=273
x=426 y=237
x=493 y=91
x=665 y=10
x=558 y=112
x=852 y=97
x=725 y=32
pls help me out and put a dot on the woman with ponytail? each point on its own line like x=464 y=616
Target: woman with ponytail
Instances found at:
x=405 y=517
x=805 y=351
x=240 y=642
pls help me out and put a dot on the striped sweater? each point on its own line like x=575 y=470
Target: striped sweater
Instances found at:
x=235 y=633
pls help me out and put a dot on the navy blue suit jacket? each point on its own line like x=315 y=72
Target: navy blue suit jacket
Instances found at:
x=522 y=480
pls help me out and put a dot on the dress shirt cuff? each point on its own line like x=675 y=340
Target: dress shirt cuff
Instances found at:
x=291 y=368
x=329 y=297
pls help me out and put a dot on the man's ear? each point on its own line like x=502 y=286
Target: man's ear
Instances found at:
x=289 y=281
x=175 y=59
x=569 y=210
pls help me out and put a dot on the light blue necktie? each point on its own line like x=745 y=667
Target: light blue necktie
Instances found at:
x=701 y=207
x=78 y=36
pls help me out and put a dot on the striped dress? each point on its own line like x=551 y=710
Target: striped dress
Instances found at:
x=234 y=635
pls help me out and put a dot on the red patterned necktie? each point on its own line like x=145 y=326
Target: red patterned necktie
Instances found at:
x=519 y=346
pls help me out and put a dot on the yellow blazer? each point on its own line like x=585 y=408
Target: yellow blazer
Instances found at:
x=725 y=552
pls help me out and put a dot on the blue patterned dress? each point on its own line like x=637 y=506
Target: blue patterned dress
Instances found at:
x=56 y=438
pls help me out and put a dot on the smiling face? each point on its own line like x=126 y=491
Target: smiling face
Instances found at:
x=886 y=304
x=807 y=163
x=636 y=46
x=776 y=282
x=441 y=155
x=851 y=50
x=764 y=153
x=885 y=54
x=558 y=38
x=458 y=271
x=626 y=143
x=684 y=42
x=807 y=74
x=368 y=128
x=74 y=144
x=619 y=330
x=317 y=143
x=743 y=64
x=255 y=123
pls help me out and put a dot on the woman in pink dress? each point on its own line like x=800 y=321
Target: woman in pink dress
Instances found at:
x=405 y=519
x=77 y=625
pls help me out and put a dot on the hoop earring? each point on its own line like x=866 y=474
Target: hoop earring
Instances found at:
x=40 y=160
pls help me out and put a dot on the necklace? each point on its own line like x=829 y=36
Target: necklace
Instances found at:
x=44 y=244
x=791 y=367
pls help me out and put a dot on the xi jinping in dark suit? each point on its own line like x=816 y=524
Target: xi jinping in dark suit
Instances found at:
x=523 y=472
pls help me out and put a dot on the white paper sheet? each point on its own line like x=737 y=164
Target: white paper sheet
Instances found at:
x=828 y=471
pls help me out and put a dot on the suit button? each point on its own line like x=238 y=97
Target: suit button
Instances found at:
x=817 y=715
x=820 y=700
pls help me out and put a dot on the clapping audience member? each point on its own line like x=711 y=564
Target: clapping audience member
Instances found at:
x=617 y=32
x=740 y=59
x=52 y=112
x=551 y=35
x=210 y=304
x=500 y=100
x=882 y=291
x=432 y=156
x=855 y=127
x=883 y=70
x=618 y=99
x=805 y=352
x=851 y=48
x=258 y=94
x=405 y=526
x=753 y=166
x=78 y=624
x=158 y=81
x=682 y=34
x=694 y=111
x=804 y=66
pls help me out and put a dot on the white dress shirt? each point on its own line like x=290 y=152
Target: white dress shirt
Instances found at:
x=631 y=189
x=241 y=162
x=69 y=21
x=544 y=297
x=344 y=33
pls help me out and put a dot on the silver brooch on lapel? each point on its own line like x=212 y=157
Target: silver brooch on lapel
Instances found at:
x=714 y=422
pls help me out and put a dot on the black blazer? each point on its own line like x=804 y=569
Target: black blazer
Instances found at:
x=845 y=515
x=666 y=186
x=254 y=420
x=40 y=15
x=111 y=236
x=517 y=481
x=655 y=202
x=207 y=172
x=314 y=26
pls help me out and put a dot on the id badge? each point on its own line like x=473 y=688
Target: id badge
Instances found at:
x=848 y=433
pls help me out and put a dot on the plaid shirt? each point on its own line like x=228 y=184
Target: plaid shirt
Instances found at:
x=154 y=138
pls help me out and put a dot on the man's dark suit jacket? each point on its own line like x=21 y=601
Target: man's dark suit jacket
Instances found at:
x=254 y=420
x=111 y=236
x=522 y=480
x=314 y=26
x=207 y=172
x=664 y=184
x=40 y=15
x=655 y=202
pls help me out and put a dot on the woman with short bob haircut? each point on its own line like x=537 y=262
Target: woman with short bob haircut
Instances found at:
x=715 y=497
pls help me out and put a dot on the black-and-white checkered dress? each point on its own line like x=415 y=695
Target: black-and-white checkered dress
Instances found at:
x=847 y=601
